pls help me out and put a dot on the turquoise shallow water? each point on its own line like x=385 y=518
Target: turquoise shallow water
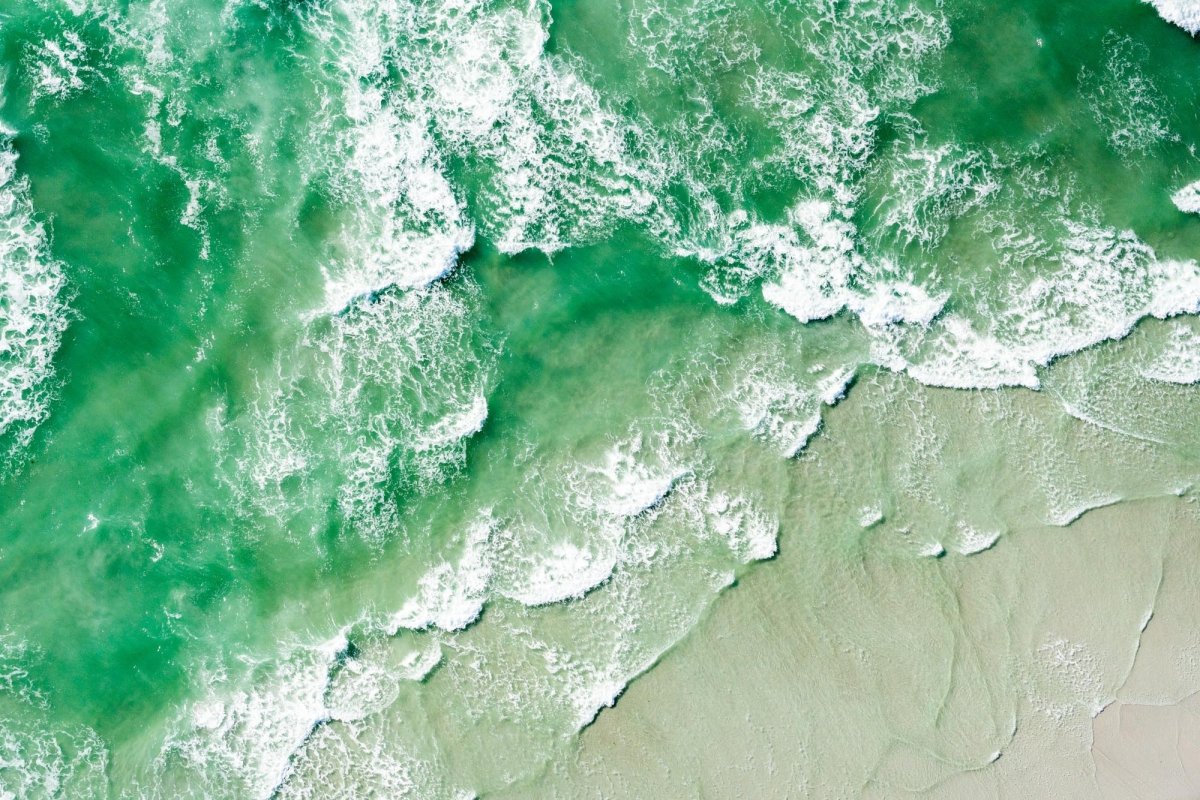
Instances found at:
x=385 y=385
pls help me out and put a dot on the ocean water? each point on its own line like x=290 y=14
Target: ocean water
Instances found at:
x=387 y=385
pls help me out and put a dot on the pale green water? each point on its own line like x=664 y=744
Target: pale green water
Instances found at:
x=385 y=385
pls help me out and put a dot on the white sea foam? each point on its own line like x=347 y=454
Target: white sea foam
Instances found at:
x=932 y=186
x=408 y=228
x=931 y=549
x=1107 y=281
x=1125 y=101
x=417 y=665
x=450 y=595
x=17 y=655
x=621 y=631
x=33 y=315
x=240 y=736
x=566 y=570
x=831 y=389
x=1067 y=680
x=897 y=302
x=869 y=516
x=1065 y=516
x=782 y=407
x=971 y=540
x=456 y=425
x=546 y=548
x=1174 y=289
x=812 y=275
x=40 y=758
x=156 y=72
x=59 y=66
x=550 y=158
x=963 y=358
x=368 y=680
x=278 y=453
x=1179 y=360
x=1184 y=13
x=557 y=157
x=614 y=634
x=256 y=721
x=564 y=547
x=368 y=758
x=359 y=689
x=1187 y=199
x=633 y=477
x=752 y=534
x=38 y=761
x=400 y=379
x=827 y=117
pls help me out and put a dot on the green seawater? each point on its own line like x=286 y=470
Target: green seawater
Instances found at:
x=386 y=385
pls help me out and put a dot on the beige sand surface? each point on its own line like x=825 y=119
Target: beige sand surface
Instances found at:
x=1148 y=751
x=1146 y=744
x=849 y=668
x=763 y=702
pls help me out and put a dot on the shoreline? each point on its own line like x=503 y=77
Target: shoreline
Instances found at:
x=730 y=696
x=815 y=675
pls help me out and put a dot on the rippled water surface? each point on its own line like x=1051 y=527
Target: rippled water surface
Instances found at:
x=385 y=385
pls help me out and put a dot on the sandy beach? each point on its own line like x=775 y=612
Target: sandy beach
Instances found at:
x=1061 y=662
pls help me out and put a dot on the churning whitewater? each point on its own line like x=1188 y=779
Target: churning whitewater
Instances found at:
x=385 y=385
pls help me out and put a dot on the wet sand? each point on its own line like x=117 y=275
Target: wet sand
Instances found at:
x=1061 y=662
x=772 y=698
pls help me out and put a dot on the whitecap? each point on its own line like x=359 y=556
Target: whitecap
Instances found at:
x=240 y=735
x=897 y=302
x=38 y=760
x=33 y=315
x=1187 y=199
x=565 y=571
x=1179 y=359
x=451 y=594
x=812 y=274
x=455 y=426
x=1106 y=282
x=59 y=67
x=781 y=407
x=624 y=486
x=1184 y=13
x=870 y=516
x=752 y=534
x=971 y=540
x=933 y=549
